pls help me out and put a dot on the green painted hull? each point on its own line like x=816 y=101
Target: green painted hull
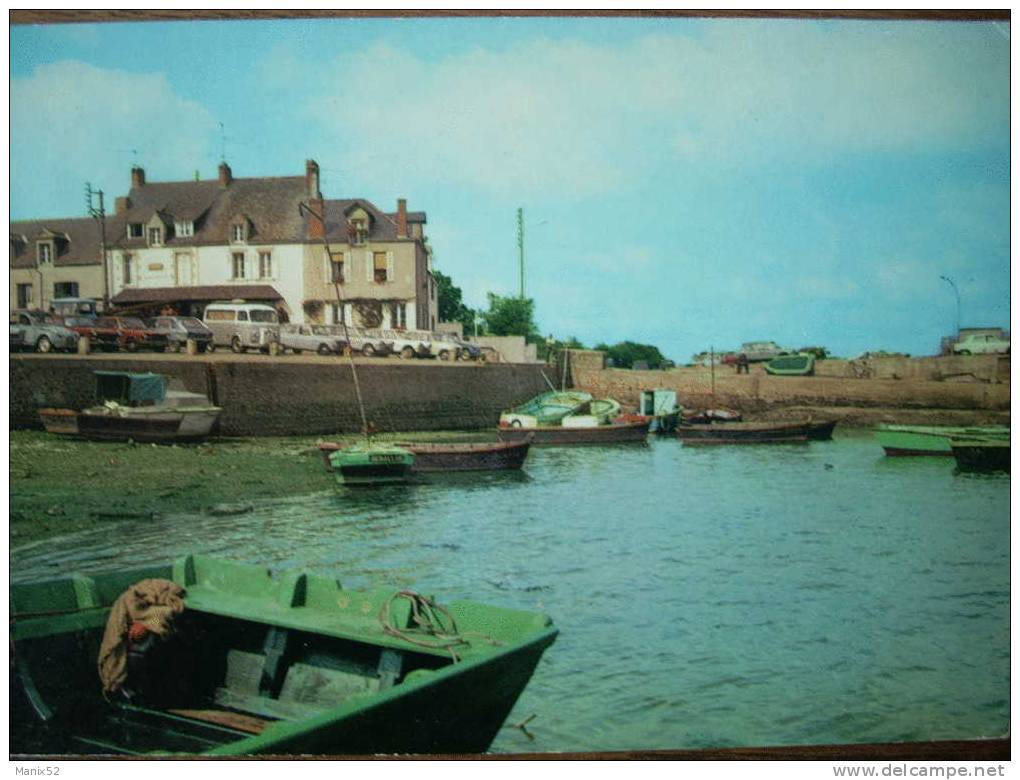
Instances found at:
x=981 y=454
x=791 y=365
x=930 y=440
x=330 y=675
x=371 y=464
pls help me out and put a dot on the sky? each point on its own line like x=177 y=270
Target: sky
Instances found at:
x=685 y=183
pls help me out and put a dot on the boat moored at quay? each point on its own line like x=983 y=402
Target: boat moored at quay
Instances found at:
x=560 y=435
x=136 y=407
x=440 y=457
x=755 y=432
x=931 y=440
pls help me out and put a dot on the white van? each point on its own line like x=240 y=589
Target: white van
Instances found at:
x=242 y=326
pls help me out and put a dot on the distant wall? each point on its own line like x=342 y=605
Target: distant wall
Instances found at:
x=511 y=349
x=285 y=397
x=969 y=368
x=964 y=383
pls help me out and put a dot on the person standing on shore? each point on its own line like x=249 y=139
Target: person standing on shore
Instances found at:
x=743 y=364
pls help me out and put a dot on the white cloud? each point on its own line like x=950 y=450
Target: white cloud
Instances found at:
x=580 y=119
x=72 y=122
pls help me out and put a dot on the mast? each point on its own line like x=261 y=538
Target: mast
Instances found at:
x=343 y=319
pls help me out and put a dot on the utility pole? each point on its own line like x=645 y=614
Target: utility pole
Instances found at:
x=520 y=245
x=956 y=292
x=99 y=214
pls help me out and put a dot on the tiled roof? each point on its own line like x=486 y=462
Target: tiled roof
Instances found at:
x=271 y=204
x=216 y=292
x=77 y=241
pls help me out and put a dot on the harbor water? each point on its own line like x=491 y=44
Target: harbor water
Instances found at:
x=706 y=597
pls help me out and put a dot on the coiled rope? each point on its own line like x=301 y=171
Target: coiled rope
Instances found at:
x=433 y=625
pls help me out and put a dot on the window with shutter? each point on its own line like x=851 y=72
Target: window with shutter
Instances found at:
x=379 y=267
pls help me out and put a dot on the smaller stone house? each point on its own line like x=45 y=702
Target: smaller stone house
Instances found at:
x=55 y=258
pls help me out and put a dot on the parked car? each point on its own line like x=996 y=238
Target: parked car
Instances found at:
x=310 y=338
x=75 y=307
x=469 y=351
x=242 y=326
x=104 y=338
x=756 y=351
x=133 y=334
x=40 y=331
x=364 y=342
x=409 y=344
x=981 y=344
x=180 y=329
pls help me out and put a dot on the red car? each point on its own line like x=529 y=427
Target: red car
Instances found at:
x=107 y=339
x=133 y=334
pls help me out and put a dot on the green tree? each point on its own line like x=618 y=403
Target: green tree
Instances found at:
x=626 y=353
x=510 y=316
x=552 y=346
x=451 y=303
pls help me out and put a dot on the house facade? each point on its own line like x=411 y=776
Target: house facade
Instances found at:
x=55 y=258
x=181 y=245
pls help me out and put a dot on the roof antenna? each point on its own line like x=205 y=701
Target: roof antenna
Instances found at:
x=223 y=145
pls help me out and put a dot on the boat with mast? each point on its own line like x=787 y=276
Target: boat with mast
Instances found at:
x=365 y=462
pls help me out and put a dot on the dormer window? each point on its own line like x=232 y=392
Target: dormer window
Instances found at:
x=155 y=236
x=238 y=233
x=45 y=252
x=359 y=231
x=134 y=230
x=240 y=230
x=184 y=228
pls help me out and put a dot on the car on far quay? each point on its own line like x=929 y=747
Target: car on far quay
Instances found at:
x=133 y=334
x=981 y=344
x=756 y=351
x=40 y=331
x=180 y=329
x=310 y=338
x=106 y=339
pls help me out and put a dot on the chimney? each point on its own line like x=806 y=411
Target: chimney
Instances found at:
x=316 y=226
x=401 y=218
x=225 y=175
x=312 y=179
x=137 y=177
x=121 y=205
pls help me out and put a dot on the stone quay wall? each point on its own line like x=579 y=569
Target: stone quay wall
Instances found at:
x=952 y=389
x=262 y=396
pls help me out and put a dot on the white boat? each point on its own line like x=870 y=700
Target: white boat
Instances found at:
x=136 y=407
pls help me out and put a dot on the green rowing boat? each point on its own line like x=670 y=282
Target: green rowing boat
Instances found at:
x=902 y=440
x=368 y=463
x=791 y=365
x=981 y=454
x=262 y=663
x=546 y=409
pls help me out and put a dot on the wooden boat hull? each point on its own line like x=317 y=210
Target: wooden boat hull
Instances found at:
x=329 y=678
x=928 y=441
x=821 y=431
x=981 y=455
x=657 y=423
x=743 y=433
x=142 y=424
x=456 y=456
x=616 y=433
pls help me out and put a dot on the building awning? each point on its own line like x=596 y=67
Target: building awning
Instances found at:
x=219 y=292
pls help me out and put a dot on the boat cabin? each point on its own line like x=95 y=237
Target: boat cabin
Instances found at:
x=656 y=402
x=128 y=389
